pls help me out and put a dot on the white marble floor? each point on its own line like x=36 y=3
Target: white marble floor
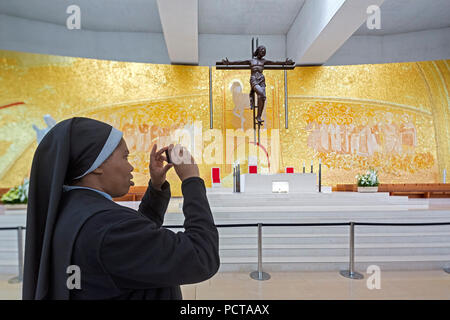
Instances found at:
x=409 y=285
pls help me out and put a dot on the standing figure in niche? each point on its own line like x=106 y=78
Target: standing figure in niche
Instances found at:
x=408 y=134
x=391 y=135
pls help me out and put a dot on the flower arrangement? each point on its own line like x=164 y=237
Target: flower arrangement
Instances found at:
x=369 y=179
x=17 y=194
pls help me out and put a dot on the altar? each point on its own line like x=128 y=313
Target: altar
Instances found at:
x=279 y=183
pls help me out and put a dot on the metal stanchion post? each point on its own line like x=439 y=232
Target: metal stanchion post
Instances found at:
x=351 y=273
x=19 y=278
x=259 y=274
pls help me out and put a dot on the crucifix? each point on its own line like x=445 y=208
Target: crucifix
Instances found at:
x=256 y=64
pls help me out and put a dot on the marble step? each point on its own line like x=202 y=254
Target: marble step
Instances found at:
x=301 y=198
x=324 y=216
x=9 y=266
x=363 y=205
x=335 y=263
x=313 y=203
x=323 y=250
x=318 y=207
x=325 y=231
x=313 y=239
x=352 y=195
x=329 y=213
x=314 y=221
x=360 y=258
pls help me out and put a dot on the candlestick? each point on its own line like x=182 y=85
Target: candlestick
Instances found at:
x=320 y=176
x=234 y=178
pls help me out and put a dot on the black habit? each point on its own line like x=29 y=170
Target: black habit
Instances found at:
x=121 y=253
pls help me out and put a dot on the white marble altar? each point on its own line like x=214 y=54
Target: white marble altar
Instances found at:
x=279 y=183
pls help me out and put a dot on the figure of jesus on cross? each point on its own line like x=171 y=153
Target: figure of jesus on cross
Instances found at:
x=257 y=79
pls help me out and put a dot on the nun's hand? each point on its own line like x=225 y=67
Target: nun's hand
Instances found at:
x=184 y=162
x=157 y=168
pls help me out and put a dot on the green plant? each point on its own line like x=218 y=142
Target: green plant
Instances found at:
x=17 y=194
x=369 y=179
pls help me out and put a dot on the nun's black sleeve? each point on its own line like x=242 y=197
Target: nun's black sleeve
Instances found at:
x=137 y=254
x=155 y=202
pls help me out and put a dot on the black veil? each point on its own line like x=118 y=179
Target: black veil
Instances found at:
x=71 y=149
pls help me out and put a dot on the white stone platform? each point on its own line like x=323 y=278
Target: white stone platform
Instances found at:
x=308 y=248
x=327 y=248
x=264 y=183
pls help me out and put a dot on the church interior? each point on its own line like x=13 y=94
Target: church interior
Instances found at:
x=320 y=128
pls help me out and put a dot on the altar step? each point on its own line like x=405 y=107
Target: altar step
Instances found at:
x=375 y=239
x=334 y=263
x=314 y=202
x=308 y=195
x=337 y=201
x=324 y=250
x=306 y=201
x=320 y=207
x=307 y=248
x=416 y=216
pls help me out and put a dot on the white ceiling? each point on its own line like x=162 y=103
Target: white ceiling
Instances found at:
x=245 y=17
x=96 y=15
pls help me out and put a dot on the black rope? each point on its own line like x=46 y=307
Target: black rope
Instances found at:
x=247 y=225
x=401 y=224
x=12 y=228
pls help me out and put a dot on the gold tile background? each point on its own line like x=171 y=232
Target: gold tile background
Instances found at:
x=147 y=101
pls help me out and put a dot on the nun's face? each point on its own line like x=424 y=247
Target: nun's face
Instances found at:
x=116 y=176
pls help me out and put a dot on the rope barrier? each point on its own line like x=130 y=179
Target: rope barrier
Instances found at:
x=259 y=274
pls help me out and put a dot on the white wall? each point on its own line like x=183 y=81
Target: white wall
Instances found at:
x=25 y=35
x=403 y=47
x=19 y=34
x=39 y=37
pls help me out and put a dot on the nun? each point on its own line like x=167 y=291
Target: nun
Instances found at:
x=80 y=244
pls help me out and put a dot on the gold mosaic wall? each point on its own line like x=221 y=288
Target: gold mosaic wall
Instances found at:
x=144 y=101
x=394 y=117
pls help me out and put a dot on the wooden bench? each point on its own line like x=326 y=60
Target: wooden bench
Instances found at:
x=3 y=191
x=412 y=190
x=134 y=194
